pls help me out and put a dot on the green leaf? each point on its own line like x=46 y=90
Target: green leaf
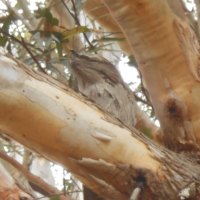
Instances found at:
x=46 y=13
x=109 y=39
x=132 y=61
x=7 y=22
x=74 y=31
x=9 y=48
x=99 y=48
x=54 y=21
x=57 y=36
x=3 y=41
x=147 y=132
x=55 y=198
x=59 y=48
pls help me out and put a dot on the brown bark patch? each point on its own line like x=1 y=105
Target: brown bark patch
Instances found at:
x=174 y=110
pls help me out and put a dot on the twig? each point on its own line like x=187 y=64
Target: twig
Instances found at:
x=32 y=178
x=17 y=14
x=23 y=43
x=74 y=16
x=137 y=98
x=135 y=194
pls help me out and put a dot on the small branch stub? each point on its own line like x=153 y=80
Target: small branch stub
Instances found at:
x=102 y=136
x=135 y=194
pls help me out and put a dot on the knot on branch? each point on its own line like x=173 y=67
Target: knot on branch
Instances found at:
x=176 y=111
x=178 y=129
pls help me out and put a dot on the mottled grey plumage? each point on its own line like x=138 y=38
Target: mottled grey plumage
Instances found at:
x=99 y=80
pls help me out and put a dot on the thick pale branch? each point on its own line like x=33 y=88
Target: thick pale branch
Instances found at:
x=61 y=125
x=59 y=117
x=107 y=157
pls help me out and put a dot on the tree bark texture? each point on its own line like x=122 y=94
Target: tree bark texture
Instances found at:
x=167 y=52
x=109 y=158
x=108 y=154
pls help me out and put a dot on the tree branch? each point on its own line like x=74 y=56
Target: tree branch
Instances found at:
x=53 y=120
x=50 y=190
x=24 y=45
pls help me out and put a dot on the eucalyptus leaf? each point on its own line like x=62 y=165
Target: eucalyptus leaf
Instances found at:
x=74 y=31
x=55 y=198
x=132 y=61
x=3 y=41
x=110 y=39
x=7 y=21
x=46 y=13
